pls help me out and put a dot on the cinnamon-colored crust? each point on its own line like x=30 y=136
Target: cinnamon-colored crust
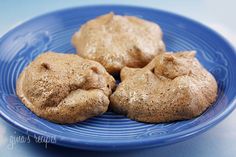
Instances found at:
x=173 y=86
x=65 y=88
x=117 y=41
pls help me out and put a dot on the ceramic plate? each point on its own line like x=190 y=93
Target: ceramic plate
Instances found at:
x=111 y=131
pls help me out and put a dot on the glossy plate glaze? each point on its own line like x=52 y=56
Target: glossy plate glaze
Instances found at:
x=110 y=131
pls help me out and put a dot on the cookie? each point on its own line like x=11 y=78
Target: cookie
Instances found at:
x=117 y=41
x=173 y=86
x=65 y=88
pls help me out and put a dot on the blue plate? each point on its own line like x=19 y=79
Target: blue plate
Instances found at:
x=110 y=131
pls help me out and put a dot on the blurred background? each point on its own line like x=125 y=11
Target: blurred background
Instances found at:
x=217 y=14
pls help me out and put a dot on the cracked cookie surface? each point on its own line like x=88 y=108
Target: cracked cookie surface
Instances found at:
x=116 y=41
x=65 y=88
x=173 y=86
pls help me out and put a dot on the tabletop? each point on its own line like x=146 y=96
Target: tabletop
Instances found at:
x=218 y=141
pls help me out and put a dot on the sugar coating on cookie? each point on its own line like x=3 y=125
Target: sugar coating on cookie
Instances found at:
x=173 y=86
x=65 y=88
x=117 y=41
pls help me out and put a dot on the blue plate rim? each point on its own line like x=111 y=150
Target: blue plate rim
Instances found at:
x=132 y=144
